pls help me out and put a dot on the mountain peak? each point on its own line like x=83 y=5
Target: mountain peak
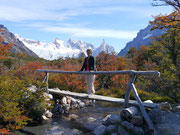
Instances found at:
x=3 y=27
x=142 y=38
x=104 y=47
x=58 y=41
x=18 y=45
x=103 y=42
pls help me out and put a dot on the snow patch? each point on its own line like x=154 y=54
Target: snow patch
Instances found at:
x=147 y=36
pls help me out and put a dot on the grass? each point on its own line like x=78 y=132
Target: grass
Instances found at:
x=144 y=95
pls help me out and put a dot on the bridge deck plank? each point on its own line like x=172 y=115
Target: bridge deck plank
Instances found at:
x=100 y=98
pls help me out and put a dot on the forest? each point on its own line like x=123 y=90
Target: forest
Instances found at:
x=19 y=106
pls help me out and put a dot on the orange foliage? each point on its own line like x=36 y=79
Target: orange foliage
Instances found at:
x=109 y=62
x=167 y=21
x=120 y=81
x=4 y=131
x=4 y=48
x=106 y=62
x=70 y=81
x=29 y=70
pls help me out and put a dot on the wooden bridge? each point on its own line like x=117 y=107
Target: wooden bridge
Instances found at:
x=132 y=76
x=100 y=98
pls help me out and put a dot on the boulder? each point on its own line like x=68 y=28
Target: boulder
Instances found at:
x=155 y=115
x=73 y=116
x=111 y=119
x=105 y=120
x=48 y=96
x=90 y=126
x=48 y=114
x=76 y=103
x=91 y=119
x=111 y=129
x=176 y=108
x=81 y=104
x=66 y=108
x=44 y=117
x=122 y=131
x=127 y=125
x=168 y=129
x=33 y=88
x=138 y=131
x=114 y=134
x=137 y=120
x=63 y=101
x=100 y=130
x=58 y=109
x=148 y=101
x=54 y=131
x=165 y=106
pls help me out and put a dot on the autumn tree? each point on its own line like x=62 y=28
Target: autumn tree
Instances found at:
x=105 y=62
x=70 y=82
x=120 y=81
x=131 y=57
x=4 y=48
x=164 y=56
x=167 y=57
x=171 y=20
x=5 y=60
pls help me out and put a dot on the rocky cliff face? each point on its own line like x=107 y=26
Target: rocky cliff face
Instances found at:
x=142 y=38
x=18 y=45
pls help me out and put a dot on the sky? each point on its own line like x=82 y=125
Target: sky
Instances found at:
x=115 y=21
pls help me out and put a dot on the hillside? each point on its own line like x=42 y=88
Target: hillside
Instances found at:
x=18 y=47
x=143 y=38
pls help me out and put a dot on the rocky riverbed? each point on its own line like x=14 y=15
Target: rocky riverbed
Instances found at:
x=72 y=116
x=78 y=122
x=101 y=119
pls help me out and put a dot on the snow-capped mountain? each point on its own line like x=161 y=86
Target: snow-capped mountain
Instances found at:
x=81 y=45
x=59 y=48
x=51 y=50
x=142 y=38
x=103 y=47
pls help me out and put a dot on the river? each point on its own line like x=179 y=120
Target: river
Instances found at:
x=78 y=122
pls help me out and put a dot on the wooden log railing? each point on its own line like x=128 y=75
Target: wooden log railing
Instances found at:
x=132 y=76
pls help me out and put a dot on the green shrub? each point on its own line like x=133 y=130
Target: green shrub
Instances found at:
x=18 y=105
x=11 y=113
x=35 y=104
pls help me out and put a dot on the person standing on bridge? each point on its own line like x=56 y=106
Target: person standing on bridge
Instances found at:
x=89 y=65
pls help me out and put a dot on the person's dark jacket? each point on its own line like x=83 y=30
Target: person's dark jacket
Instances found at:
x=91 y=61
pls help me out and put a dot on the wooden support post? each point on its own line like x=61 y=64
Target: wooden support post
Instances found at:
x=132 y=77
x=47 y=75
x=143 y=111
x=44 y=79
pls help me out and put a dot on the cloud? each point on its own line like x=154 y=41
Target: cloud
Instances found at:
x=91 y=33
x=60 y=10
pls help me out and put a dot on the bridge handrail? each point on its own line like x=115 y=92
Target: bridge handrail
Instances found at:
x=132 y=75
x=102 y=72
